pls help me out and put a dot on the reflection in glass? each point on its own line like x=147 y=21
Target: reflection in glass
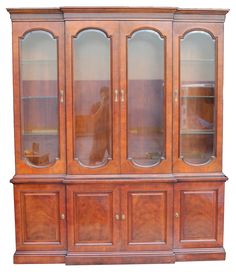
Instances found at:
x=39 y=100
x=146 y=98
x=197 y=97
x=92 y=98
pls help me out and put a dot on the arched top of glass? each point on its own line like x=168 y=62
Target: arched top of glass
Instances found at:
x=38 y=45
x=91 y=31
x=145 y=32
x=198 y=44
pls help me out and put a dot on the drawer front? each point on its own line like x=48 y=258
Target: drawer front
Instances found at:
x=199 y=208
x=40 y=217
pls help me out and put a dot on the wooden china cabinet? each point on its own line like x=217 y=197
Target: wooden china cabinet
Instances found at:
x=118 y=135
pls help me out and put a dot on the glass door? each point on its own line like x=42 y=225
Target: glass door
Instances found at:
x=197 y=98
x=92 y=85
x=40 y=107
x=145 y=85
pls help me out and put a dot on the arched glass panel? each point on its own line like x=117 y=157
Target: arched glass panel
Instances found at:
x=39 y=98
x=197 y=97
x=146 y=145
x=92 y=98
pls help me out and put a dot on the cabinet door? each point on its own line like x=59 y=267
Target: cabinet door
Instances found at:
x=40 y=217
x=199 y=211
x=198 y=70
x=146 y=217
x=92 y=97
x=38 y=54
x=146 y=100
x=93 y=217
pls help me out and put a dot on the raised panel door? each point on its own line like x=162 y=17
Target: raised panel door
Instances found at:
x=146 y=217
x=92 y=218
x=199 y=214
x=40 y=217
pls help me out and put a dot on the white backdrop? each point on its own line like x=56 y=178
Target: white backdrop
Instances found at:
x=7 y=237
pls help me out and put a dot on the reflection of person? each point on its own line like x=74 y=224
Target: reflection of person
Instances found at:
x=100 y=111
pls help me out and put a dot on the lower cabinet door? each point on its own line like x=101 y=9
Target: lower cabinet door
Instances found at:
x=93 y=217
x=40 y=217
x=146 y=217
x=199 y=208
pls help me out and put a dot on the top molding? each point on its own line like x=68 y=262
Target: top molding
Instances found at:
x=117 y=13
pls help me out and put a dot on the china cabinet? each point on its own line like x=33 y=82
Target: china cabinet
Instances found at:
x=118 y=135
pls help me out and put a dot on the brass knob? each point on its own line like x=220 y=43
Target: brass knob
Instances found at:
x=177 y=215
x=117 y=217
x=62 y=216
x=123 y=217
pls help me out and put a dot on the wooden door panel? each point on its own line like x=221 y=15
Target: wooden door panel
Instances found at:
x=146 y=141
x=40 y=212
x=148 y=217
x=90 y=218
x=199 y=211
x=93 y=224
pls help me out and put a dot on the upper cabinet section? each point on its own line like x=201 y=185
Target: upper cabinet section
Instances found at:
x=142 y=89
x=39 y=97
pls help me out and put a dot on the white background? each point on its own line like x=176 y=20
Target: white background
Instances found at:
x=7 y=237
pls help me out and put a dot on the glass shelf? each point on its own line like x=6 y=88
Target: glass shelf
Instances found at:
x=197 y=60
x=198 y=85
x=47 y=132
x=196 y=132
x=198 y=96
x=39 y=97
x=40 y=61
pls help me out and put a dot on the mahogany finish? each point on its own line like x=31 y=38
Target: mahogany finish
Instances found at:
x=121 y=211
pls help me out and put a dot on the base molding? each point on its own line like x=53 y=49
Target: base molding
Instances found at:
x=120 y=257
x=125 y=257
x=39 y=257
x=199 y=254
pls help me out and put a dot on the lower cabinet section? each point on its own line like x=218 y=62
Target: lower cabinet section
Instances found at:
x=119 y=223
x=40 y=223
x=199 y=215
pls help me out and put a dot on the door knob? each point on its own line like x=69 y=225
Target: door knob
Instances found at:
x=117 y=217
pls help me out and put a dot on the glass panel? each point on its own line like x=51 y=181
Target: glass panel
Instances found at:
x=39 y=98
x=92 y=98
x=146 y=98
x=197 y=97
